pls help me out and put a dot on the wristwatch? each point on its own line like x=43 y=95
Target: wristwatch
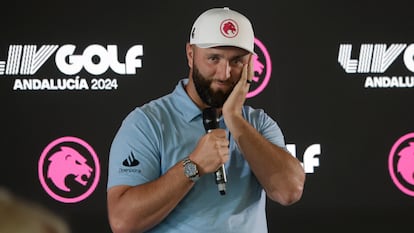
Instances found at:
x=190 y=169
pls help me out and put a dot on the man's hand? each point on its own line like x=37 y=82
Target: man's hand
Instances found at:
x=235 y=101
x=211 y=152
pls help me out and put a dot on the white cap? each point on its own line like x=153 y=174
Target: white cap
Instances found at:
x=222 y=27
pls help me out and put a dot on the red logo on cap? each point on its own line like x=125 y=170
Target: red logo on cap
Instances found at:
x=229 y=28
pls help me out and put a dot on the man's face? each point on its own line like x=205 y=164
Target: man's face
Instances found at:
x=215 y=73
x=213 y=98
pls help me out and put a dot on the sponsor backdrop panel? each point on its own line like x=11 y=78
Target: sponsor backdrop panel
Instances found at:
x=337 y=76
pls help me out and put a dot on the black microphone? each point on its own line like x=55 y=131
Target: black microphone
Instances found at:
x=210 y=122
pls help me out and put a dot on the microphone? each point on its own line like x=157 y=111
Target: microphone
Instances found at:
x=210 y=122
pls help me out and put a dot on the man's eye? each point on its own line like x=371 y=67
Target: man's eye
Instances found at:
x=238 y=62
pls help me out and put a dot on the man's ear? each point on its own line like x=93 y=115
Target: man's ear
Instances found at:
x=190 y=54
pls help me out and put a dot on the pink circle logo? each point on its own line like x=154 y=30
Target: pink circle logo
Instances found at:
x=262 y=70
x=401 y=164
x=69 y=169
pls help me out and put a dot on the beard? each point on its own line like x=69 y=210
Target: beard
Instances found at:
x=209 y=96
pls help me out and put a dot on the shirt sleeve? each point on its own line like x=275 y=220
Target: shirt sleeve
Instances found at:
x=266 y=126
x=134 y=155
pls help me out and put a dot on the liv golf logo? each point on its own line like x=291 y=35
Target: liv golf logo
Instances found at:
x=22 y=62
x=26 y=60
x=375 y=60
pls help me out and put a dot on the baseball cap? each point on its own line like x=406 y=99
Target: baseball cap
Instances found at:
x=222 y=27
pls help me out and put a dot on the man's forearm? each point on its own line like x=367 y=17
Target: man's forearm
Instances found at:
x=280 y=174
x=138 y=208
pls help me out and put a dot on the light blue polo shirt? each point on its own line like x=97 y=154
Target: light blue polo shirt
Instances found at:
x=161 y=133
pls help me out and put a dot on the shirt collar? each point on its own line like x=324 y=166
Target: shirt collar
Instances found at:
x=184 y=104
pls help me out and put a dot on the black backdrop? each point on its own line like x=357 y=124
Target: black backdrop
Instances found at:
x=314 y=100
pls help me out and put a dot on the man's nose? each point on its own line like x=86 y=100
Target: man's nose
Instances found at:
x=224 y=70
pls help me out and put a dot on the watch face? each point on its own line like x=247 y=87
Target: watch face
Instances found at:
x=190 y=169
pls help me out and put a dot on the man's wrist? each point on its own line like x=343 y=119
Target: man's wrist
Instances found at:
x=190 y=169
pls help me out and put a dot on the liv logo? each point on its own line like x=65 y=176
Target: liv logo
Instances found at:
x=69 y=169
x=262 y=70
x=401 y=164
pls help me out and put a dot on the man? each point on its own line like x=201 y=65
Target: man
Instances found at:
x=172 y=187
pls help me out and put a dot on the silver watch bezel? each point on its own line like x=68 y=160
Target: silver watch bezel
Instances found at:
x=190 y=169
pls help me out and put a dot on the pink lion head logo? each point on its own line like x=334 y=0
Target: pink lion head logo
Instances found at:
x=401 y=164
x=67 y=162
x=405 y=165
x=258 y=67
x=229 y=28
x=262 y=69
x=65 y=171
